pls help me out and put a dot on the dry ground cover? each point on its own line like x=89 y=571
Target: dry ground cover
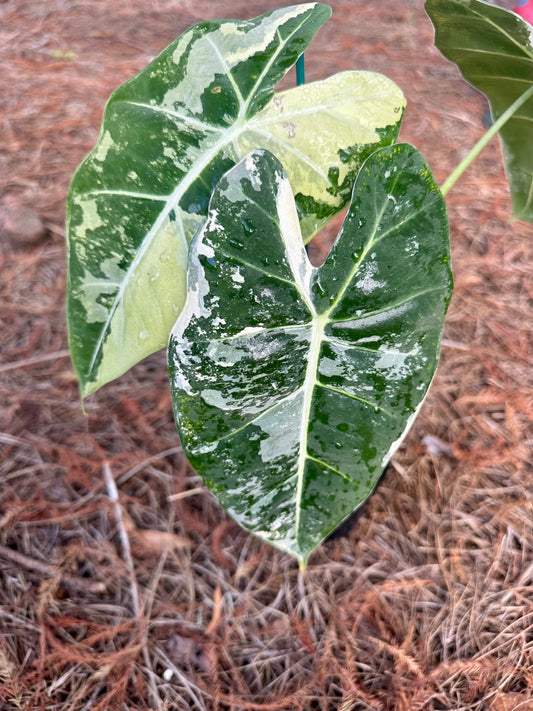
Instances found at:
x=122 y=584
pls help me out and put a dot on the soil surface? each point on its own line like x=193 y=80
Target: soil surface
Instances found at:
x=123 y=585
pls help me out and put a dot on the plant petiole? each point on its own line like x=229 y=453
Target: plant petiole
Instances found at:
x=480 y=145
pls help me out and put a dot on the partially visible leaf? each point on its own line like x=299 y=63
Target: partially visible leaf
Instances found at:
x=293 y=385
x=493 y=48
x=167 y=137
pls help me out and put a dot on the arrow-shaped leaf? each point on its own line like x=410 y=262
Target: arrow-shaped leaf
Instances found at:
x=167 y=137
x=294 y=385
x=493 y=48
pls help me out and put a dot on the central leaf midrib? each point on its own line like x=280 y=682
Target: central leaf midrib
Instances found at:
x=317 y=333
x=320 y=322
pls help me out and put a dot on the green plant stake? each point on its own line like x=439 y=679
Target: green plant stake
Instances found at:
x=300 y=71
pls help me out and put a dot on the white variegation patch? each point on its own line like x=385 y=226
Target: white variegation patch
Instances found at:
x=331 y=368
x=105 y=143
x=225 y=354
x=91 y=217
x=256 y=39
x=367 y=283
x=282 y=429
x=237 y=277
x=373 y=320
x=217 y=399
x=399 y=365
x=91 y=287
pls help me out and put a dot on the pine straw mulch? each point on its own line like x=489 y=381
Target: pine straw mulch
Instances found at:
x=122 y=584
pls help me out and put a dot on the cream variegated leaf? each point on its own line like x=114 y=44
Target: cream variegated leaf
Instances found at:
x=167 y=137
x=294 y=385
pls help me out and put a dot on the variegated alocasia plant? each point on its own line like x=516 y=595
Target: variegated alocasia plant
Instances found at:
x=294 y=385
x=167 y=137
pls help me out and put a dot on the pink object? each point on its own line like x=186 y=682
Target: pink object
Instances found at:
x=525 y=10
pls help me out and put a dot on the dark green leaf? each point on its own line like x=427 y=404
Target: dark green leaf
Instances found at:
x=493 y=48
x=294 y=385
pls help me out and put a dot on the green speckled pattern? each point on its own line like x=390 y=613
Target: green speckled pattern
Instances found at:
x=493 y=48
x=294 y=385
x=167 y=137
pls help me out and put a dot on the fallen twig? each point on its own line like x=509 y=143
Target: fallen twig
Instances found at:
x=26 y=362
x=135 y=599
x=112 y=492
x=52 y=571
